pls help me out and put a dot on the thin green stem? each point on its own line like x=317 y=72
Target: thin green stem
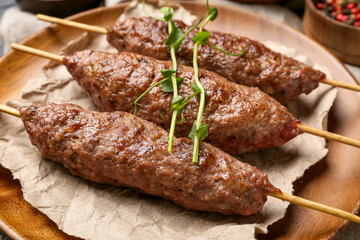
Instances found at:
x=201 y=106
x=172 y=130
x=202 y=97
x=187 y=100
x=192 y=28
x=143 y=7
x=175 y=90
x=144 y=93
x=202 y=25
x=174 y=67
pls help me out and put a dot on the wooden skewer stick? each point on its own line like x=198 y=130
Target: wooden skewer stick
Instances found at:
x=329 y=135
x=340 y=84
x=37 y=52
x=316 y=206
x=307 y=129
x=102 y=30
x=283 y=196
x=9 y=110
x=72 y=24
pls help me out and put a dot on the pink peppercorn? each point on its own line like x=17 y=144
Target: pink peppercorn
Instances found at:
x=341 y=17
x=357 y=17
x=338 y=17
x=320 y=6
x=355 y=10
x=345 y=11
x=350 y=5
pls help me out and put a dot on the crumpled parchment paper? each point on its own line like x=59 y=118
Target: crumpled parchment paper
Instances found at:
x=93 y=211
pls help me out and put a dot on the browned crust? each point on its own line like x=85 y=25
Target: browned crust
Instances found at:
x=240 y=119
x=123 y=150
x=282 y=77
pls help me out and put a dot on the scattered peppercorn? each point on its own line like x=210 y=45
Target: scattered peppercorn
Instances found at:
x=350 y=6
x=320 y=6
x=345 y=11
x=355 y=10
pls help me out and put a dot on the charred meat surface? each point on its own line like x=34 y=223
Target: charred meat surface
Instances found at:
x=281 y=77
x=240 y=119
x=123 y=150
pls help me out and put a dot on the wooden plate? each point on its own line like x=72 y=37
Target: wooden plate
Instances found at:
x=332 y=181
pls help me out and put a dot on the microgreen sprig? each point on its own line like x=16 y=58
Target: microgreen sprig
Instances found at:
x=171 y=83
x=135 y=103
x=199 y=130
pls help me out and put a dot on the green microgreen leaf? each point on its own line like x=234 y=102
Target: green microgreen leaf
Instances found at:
x=192 y=133
x=201 y=132
x=179 y=81
x=195 y=88
x=201 y=37
x=176 y=102
x=182 y=117
x=174 y=37
x=167 y=85
x=212 y=13
x=167 y=72
x=168 y=13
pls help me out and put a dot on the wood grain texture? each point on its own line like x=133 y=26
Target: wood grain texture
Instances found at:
x=332 y=181
x=343 y=40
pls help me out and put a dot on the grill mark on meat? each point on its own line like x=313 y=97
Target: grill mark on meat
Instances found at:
x=132 y=152
x=282 y=77
x=257 y=120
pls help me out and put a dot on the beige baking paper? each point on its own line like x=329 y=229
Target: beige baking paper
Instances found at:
x=93 y=211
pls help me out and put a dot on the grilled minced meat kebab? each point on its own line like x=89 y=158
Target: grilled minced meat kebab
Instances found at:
x=240 y=119
x=281 y=77
x=123 y=150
